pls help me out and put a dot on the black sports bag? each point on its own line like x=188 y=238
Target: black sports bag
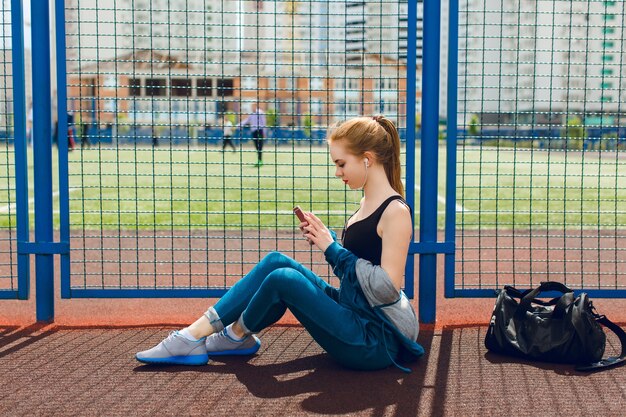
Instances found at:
x=565 y=329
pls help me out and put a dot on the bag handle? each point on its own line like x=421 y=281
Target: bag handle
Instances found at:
x=514 y=292
x=529 y=296
x=611 y=361
x=544 y=286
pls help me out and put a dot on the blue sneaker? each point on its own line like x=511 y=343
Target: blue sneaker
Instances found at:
x=176 y=349
x=222 y=344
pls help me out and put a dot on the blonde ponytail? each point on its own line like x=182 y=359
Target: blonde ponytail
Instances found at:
x=393 y=169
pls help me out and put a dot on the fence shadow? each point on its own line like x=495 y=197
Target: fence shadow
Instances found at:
x=557 y=368
x=6 y=330
x=11 y=334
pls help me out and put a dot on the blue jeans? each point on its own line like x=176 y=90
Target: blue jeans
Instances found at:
x=278 y=283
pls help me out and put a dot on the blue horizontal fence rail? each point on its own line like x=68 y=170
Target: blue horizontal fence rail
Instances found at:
x=538 y=134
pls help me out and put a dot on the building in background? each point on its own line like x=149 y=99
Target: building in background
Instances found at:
x=6 y=67
x=540 y=63
x=148 y=62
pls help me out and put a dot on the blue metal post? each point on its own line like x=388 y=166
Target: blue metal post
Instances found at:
x=411 y=70
x=451 y=139
x=19 y=132
x=62 y=145
x=42 y=154
x=429 y=159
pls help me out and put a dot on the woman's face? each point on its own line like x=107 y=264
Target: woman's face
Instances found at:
x=348 y=167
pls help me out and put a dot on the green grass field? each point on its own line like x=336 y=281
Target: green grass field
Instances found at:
x=506 y=188
x=181 y=188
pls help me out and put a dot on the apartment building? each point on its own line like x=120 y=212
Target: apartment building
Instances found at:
x=540 y=62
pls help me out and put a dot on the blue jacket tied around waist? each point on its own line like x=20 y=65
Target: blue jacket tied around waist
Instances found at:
x=367 y=290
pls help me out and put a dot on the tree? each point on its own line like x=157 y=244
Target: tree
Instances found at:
x=474 y=128
x=574 y=133
x=308 y=125
x=271 y=118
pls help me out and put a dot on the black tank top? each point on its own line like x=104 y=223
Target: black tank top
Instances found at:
x=361 y=238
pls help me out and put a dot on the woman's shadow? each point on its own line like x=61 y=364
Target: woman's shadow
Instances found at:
x=331 y=388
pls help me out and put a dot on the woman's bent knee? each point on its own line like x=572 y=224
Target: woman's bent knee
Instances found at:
x=277 y=259
x=285 y=280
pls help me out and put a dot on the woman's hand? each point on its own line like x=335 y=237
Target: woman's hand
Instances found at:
x=316 y=232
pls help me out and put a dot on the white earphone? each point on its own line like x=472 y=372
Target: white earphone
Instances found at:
x=367 y=162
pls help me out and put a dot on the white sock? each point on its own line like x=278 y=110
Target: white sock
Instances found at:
x=231 y=334
x=185 y=333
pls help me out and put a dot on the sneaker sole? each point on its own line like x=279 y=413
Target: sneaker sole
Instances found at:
x=240 y=352
x=176 y=360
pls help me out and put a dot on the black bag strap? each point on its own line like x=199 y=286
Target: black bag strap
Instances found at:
x=611 y=361
x=514 y=292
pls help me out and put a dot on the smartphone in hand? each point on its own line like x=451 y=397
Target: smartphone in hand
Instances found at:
x=298 y=212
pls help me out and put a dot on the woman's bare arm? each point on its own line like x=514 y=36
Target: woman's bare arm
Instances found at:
x=396 y=230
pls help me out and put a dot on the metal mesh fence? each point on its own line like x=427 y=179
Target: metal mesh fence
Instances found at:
x=541 y=173
x=8 y=253
x=195 y=127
